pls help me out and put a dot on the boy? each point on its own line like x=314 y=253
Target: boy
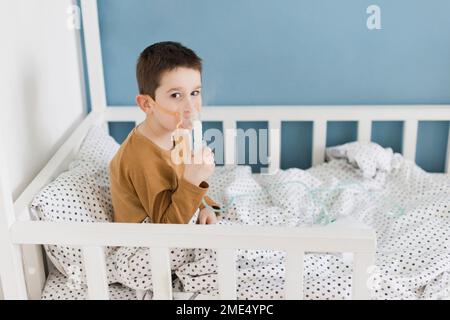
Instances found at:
x=145 y=182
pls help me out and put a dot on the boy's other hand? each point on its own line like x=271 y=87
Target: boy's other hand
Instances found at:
x=206 y=216
x=194 y=172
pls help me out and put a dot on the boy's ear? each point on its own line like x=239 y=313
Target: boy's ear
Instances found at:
x=144 y=103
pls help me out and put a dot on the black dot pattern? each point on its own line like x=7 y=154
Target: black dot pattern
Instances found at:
x=57 y=287
x=407 y=207
x=368 y=158
x=80 y=194
x=133 y=263
x=362 y=184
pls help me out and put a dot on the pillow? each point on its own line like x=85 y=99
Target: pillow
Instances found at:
x=97 y=149
x=80 y=194
x=367 y=157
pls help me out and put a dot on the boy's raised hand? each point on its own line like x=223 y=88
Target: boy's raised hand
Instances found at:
x=201 y=166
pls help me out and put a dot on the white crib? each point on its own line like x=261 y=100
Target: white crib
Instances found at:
x=23 y=273
x=22 y=265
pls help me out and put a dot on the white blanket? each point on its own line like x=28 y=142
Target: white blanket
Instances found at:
x=364 y=184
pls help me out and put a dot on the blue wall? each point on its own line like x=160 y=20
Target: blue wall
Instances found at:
x=263 y=52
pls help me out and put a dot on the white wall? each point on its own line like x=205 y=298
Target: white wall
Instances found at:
x=41 y=88
x=41 y=99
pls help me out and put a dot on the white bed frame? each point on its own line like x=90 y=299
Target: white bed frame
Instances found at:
x=22 y=264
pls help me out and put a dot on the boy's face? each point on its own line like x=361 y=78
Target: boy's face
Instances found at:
x=179 y=91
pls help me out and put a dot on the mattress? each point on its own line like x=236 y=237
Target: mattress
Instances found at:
x=407 y=207
x=58 y=287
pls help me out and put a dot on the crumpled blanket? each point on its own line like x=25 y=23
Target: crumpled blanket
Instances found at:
x=408 y=208
x=369 y=157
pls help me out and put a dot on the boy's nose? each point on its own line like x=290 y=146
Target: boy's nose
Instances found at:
x=189 y=107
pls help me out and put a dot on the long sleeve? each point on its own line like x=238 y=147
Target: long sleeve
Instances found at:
x=145 y=183
x=178 y=206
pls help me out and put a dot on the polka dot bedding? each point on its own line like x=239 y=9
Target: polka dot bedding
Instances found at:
x=368 y=157
x=132 y=264
x=60 y=287
x=408 y=208
x=80 y=194
x=361 y=184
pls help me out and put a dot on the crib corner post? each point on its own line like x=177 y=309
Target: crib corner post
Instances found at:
x=93 y=55
x=11 y=264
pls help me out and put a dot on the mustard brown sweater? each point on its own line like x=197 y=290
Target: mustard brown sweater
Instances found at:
x=146 y=183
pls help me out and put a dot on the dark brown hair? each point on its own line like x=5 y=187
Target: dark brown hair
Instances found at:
x=159 y=58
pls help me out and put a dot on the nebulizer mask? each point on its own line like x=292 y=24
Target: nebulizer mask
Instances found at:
x=188 y=130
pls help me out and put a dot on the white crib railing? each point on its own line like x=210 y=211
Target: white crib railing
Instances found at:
x=16 y=231
x=319 y=115
x=224 y=239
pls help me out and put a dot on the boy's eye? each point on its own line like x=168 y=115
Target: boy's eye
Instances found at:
x=195 y=93
x=175 y=95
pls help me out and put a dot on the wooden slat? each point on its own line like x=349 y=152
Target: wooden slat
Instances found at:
x=410 y=139
x=95 y=267
x=124 y=114
x=319 y=141
x=33 y=262
x=226 y=264
x=294 y=275
x=161 y=273
x=11 y=270
x=275 y=145
x=361 y=263
x=11 y=264
x=229 y=128
x=364 y=130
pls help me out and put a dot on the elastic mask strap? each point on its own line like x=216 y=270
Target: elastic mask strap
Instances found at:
x=172 y=113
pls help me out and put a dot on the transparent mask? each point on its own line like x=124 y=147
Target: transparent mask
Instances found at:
x=189 y=127
x=193 y=125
